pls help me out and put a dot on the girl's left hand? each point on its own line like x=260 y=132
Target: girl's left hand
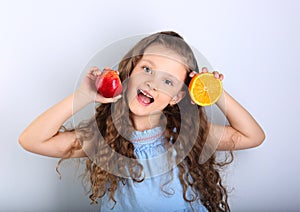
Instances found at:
x=205 y=70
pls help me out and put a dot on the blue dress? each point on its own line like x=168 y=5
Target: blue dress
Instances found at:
x=155 y=193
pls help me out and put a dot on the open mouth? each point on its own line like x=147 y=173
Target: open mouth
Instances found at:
x=144 y=97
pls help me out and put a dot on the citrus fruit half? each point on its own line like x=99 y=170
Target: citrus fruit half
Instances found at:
x=205 y=89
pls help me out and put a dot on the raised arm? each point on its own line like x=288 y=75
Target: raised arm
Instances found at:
x=42 y=136
x=243 y=131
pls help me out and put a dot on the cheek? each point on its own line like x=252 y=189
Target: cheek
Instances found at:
x=163 y=99
x=131 y=92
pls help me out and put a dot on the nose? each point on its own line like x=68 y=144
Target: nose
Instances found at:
x=151 y=86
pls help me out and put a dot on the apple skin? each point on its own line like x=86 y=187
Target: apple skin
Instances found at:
x=108 y=83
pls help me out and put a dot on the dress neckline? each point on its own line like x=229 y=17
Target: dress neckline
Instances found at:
x=146 y=136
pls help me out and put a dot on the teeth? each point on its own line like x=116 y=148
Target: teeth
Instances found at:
x=145 y=94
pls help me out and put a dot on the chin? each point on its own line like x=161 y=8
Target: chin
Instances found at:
x=139 y=111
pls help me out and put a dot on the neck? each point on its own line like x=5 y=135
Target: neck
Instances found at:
x=142 y=123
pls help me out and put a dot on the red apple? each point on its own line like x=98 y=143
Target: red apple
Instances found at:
x=108 y=83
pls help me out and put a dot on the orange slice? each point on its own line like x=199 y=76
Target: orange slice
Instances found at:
x=205 y=89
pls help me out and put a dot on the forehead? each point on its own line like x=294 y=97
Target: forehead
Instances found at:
x=163 y=59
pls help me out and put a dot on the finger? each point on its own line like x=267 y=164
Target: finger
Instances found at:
x=193 y=73
x=116 y=98
x=93 y=72
x=93 y=69
x=204 y=70
x=92 y=76
x=106 y=68
x=104 y=100
x=109 y=68
x=216 y=74
x=221 y=77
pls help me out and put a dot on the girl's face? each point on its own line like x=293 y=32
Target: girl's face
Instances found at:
x=156 y=81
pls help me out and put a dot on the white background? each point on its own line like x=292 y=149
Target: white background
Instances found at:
x=44 y=45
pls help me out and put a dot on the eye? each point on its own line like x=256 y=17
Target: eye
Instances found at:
x=168 y=82
x=147 y=69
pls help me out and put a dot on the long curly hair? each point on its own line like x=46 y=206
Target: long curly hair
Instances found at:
x=104 y=139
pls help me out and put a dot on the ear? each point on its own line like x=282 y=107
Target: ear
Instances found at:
x=177 y=98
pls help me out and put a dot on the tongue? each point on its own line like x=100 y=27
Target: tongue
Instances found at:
x=144 y=98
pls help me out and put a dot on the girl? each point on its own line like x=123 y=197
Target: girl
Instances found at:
x=148 y=149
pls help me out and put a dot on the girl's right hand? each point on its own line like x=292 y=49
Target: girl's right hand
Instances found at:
x=89 y=90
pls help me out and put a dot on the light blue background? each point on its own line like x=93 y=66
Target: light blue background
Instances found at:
x=44 y=45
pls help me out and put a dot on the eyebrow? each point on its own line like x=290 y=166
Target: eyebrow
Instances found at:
x=149 y=61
